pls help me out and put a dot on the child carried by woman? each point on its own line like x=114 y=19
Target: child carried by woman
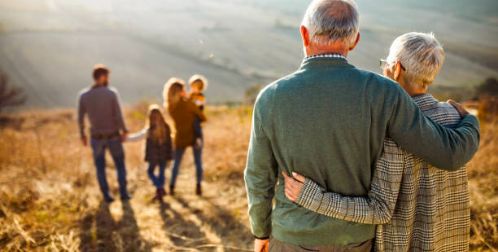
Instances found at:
x=198 y=85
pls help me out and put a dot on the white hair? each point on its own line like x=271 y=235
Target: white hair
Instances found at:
x=421 y=55
x=332 y=20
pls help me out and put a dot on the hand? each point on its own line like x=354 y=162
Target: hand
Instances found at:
x=461 y=110
x=84 y=141
x=293 y=185
x=124 y=137
x=261 y=245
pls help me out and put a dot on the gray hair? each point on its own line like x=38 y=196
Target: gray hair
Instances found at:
x=421 y=54
x=334 y=20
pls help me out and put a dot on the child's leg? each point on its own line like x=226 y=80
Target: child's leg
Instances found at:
x=150 y=172
x=161 y=179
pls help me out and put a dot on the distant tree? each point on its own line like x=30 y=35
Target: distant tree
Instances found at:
x=10 y=96
x=252 y=93
x=488 y=88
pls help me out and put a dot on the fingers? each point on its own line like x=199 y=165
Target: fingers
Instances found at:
x=289 y=187
x=293 y=186
x=461 y=110
x=291 y=194
x=298 y=177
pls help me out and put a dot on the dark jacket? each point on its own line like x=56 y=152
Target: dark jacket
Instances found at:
x=156 y=152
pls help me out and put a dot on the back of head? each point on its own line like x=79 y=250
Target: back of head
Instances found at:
x=100 y=71
x=172 y=92
x=421 y=54
x=158 y=128
x=332 y=20
x=198 y=80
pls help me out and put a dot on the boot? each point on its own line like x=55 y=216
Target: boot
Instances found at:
x=198 y=190
x=172 y=190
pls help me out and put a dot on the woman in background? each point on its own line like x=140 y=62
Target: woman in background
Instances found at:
x=158 y=147
x=184 y=113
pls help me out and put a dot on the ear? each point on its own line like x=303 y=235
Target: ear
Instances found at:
x=358 y=37
x=397 y=70
x=305 y=35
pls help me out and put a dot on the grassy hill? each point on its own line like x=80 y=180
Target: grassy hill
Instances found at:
x=50 y=199
x=49 y=46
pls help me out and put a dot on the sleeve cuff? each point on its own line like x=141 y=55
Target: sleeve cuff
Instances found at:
x=311 y=195
x=261 y=238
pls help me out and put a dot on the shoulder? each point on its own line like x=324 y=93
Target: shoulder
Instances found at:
x=382 y=90
x=380 y=82
x=279 y=86
x=111 y=91
x=188 y=103
x=444 y=113
x=84 y=92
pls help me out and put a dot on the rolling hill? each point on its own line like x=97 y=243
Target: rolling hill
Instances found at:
x=48 y=47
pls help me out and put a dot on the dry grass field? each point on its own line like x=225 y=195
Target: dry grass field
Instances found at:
x=49 y=199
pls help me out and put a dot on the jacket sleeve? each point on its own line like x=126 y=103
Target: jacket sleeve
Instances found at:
x=118 y=114
x=377 y=208
x=260 y=178
x=81 y=116
x=139 y=136
x=445 y=148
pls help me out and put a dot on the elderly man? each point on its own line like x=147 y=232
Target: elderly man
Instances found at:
x=328 y=121
x=403 y=183
x=100 y=103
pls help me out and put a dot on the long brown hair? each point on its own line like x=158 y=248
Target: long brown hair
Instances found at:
x=172 y=93
x=158 y=129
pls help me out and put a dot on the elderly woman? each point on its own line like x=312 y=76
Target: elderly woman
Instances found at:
x=184 y=112
x=420 y=207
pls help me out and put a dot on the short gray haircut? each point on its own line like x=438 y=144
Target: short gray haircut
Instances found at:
x=334 y=20
x=421 y=54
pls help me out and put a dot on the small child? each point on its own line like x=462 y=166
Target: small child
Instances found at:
x=198 y=85
x=158 y=147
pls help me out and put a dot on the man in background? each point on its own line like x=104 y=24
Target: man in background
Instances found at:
x=107 y=129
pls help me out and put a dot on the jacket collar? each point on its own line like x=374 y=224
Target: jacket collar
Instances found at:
x=425 y=101
x=324 y=61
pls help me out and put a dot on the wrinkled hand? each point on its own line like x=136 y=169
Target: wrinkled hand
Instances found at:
x=84 y=141
x=293 y=185
x=461 y=110
x=261 y=245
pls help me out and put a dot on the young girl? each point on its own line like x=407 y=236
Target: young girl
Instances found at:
x=198 y=85
x=158 y=147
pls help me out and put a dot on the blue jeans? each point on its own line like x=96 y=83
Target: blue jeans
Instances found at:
x=158 y=181
x=178 y=159
x=197 y=128
x=116 y=149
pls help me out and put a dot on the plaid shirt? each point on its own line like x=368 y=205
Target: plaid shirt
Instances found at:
x=420 y=207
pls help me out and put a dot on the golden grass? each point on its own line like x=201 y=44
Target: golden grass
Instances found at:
x=49 y=199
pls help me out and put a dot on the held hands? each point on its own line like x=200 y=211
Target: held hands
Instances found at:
x=124 y=137
x=261 y=245
x=293 y=185
x=84 y=141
